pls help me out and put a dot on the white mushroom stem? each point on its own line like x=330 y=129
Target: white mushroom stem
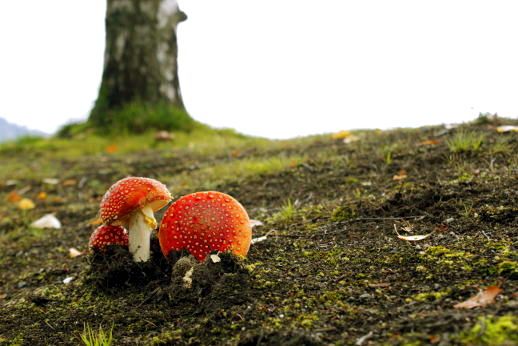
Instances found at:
x=141 y=224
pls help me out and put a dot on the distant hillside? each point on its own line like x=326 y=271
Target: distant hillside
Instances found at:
x=10 y=131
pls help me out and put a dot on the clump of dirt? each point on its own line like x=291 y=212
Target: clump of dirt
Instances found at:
x=207 y=282
x=115 y=268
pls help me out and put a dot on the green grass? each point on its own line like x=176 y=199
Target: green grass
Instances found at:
x=235 y=169
x=286 y=213
x=466 y=141
x=89 y=337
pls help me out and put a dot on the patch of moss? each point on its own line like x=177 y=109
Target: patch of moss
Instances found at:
x=491 y=330
x=429 y=296
x=442 y=258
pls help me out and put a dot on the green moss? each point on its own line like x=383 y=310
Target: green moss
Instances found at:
x=508 y=268
x=429 y=296
x=492 y=331
x=167 y=338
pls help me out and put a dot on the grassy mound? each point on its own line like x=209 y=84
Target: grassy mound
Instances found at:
x=331 y=270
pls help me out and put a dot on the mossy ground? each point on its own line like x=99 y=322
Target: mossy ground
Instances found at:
x=331 y=270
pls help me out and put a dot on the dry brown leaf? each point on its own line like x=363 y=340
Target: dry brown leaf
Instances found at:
x=70 y=182
x=14 y=197
x=26 y=204
x=401 y=175
x=56 y=199
x=481 y=299
x=430 y=142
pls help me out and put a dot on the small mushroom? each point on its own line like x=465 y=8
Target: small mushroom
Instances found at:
x=131 y=202
x=107 y=235
x=203 y=222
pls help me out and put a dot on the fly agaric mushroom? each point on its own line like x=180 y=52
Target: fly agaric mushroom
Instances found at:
x=107 y=235
x=131 y=202
x=203 y=222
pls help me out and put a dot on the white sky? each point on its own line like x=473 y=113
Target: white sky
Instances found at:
x=279 y=68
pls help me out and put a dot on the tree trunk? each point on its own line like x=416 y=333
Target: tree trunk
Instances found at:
x=140 y=62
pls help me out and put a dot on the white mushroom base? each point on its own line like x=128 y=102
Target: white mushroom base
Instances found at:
x=141 y=224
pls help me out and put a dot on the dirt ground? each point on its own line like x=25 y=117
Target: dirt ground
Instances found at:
x=331 y=270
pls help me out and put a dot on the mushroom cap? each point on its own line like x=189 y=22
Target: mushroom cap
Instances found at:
x=108 y=235
x=130 y=194
x=203 y=222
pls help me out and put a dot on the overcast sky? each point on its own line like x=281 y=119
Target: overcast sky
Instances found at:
x=279 y=68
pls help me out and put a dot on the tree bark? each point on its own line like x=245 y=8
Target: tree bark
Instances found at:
x=140 y=61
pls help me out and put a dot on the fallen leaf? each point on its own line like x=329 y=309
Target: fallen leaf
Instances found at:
x=70 y=182
x=430 y=142
x=379 y=285
x=42 y=196
x=258 y=239
x=434 y=339
x=341 y=135
x=51 y=181
x=507 y=128
x=13 y=197
x=351 y=139
x=481 y=299
x=412 y=237
x=73 y=252
x=26 y=204
x=68 y=280
x=47 y=221
x=255 y=223
x=163 y=136
x=215 y=258
x=111 y=149
x=402 y=175
x=56 y=199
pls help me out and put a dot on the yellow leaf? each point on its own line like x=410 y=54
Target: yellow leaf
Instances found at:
x=341 y=135
x=25 y=204
x=42 y=196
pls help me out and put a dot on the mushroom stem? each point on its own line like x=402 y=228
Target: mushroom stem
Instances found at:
x=141 y=224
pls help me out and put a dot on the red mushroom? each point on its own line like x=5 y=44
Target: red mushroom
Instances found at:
x=108 y=235
x=203 y=222
x=131 y=202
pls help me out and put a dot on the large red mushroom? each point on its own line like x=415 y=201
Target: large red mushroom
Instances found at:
x=203 y=222
x=131 y=202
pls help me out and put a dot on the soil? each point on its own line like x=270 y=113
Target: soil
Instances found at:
x=331 y=270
